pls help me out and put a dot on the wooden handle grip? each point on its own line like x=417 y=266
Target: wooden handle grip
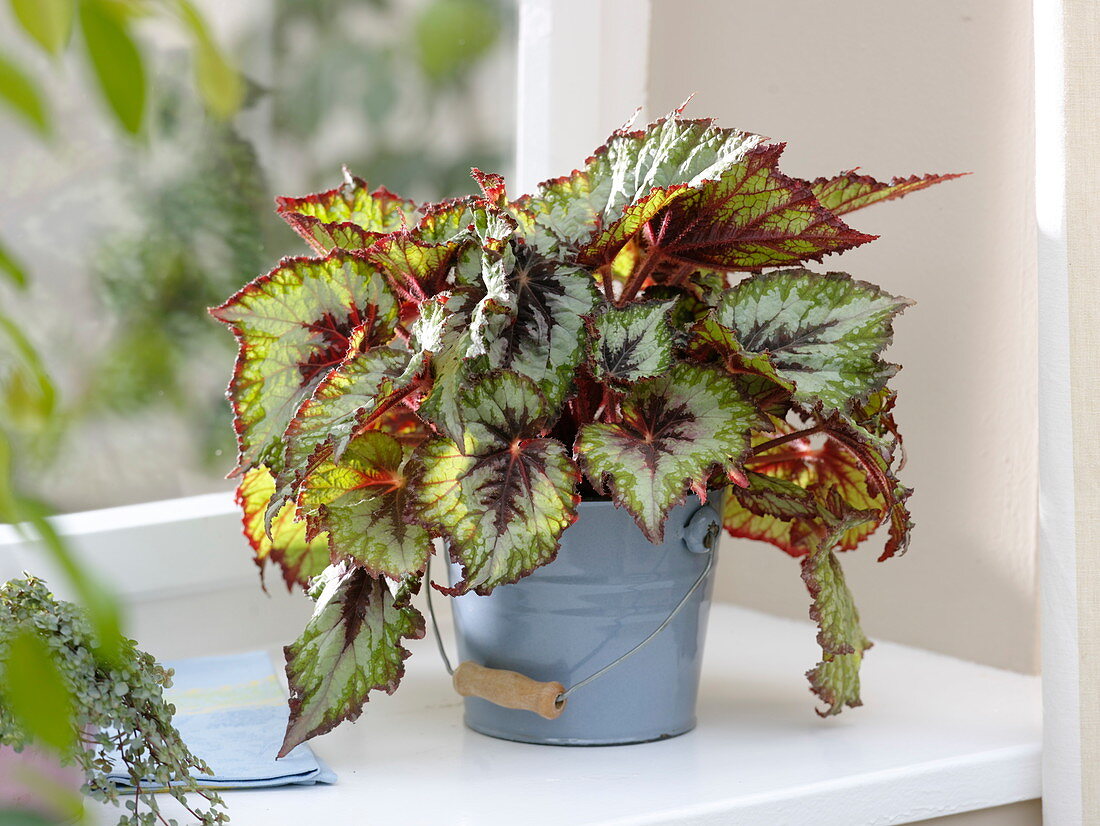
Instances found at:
x=509 y=689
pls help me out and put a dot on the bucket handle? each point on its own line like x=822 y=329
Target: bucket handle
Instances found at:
x=511 y=689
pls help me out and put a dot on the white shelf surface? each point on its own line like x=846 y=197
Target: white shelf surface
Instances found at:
x=936 y=736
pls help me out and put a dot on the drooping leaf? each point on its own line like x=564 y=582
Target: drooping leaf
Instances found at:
x=351 y=646
x=633 y=343
x=48 y=22
x=876 y=462
x=836 y=678
x=771 y=510
x=542 y=333
x=674 y=431
x=749 y=217
x=294 y=325
x=503 y=496
x=351 y=216
x=805 y=472
x=285 y=543
x=668 y=154
x=360 y=499
x=116 y=61
x=21 y=94
x=822 y=333
x=850 y=191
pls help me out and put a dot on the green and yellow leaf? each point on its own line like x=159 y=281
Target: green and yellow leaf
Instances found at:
x=504 y=495
x=294 y=325
x=20 y=93
x=117 y=63
x=351 y=646
x=352 y=393
x=351 y=216
x=48 y=22
x=850 y=191
x=359 y=497
x=285 y=544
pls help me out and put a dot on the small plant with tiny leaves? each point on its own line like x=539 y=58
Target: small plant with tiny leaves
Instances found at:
x=118 y=708
x=470 y=370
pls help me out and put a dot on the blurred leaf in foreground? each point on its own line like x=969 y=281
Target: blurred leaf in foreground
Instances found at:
x=20 y=93
x=116 y=61
x=48 y=22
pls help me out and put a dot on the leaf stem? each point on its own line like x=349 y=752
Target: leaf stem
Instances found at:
x=608 y=282
x=639 y=276
x=787 y=437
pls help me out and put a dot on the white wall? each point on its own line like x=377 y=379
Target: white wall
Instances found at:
x=898 y=88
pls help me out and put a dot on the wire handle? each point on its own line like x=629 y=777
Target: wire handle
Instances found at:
x=513 y=690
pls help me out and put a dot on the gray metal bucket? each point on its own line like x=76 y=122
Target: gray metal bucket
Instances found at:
x=608 y=589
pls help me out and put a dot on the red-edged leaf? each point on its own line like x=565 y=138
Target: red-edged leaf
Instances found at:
x=836 y=678
x=850 y=191
x=819 y=335
x=876 y=463
x=674 y=431
x=502 y=497
x=491 y=185
x=360 y=388
x=286 y=545
x=294 y=325
x=351 y=646
x=841 y=465
x=417 y=270
x=359 y=497
x=750 y=217
x=666 y=155
x=351 y=216
x=774 y=510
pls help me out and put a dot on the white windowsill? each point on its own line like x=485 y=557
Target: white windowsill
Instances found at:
x=937 y=735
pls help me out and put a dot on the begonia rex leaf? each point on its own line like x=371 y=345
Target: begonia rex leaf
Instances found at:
x=285 y=543
x=350 y=647
x=294 y=325
x=504 y=494
x=822 y=334
x=359 y=497
x=850 y=191
x=351 y=216
x=674 y=431
x=634 y=342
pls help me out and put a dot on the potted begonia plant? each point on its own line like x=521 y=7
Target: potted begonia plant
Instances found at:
x=482 y=371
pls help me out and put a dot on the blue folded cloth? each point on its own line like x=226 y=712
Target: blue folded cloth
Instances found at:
x=232 y=713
